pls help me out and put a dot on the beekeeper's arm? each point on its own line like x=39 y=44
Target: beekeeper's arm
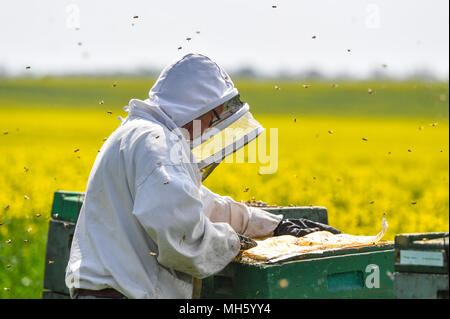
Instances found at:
x=169 y=207
x=252 y=222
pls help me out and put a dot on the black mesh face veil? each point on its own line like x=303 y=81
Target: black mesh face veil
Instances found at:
x=229 y=107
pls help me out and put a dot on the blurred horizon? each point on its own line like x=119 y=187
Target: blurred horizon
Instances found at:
x=246 y=72
x=327 y=39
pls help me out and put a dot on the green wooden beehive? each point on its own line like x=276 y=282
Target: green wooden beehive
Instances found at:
x=365 y=272
x=65 y=209
x=353 y=273
x=421 y=266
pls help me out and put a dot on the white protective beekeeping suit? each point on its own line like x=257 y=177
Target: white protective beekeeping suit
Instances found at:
x=147 y=225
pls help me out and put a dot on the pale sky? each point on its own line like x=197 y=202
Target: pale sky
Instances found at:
x=406 y=35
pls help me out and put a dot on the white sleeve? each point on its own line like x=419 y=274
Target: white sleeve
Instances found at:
x=169 y=207
x=252 y=222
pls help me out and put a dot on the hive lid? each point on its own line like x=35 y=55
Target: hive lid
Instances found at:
x=331 y=252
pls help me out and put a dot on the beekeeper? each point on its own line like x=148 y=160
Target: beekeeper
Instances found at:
x=148 y=226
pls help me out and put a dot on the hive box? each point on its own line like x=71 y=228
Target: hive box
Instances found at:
x=365 y=272
x=421 y=266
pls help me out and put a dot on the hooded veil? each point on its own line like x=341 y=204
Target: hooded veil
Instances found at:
x=190 y=88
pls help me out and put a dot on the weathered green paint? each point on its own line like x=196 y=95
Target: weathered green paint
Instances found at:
x=59 y=241
x=66 y=205
x=343 y=275
x=421 y=286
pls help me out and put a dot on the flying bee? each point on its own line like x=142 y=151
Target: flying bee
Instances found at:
x=364 y=139
x=165 y=183
x=371 y=92
x=135 y=17
x=51 y=262
x=26 y=197
x=109 y=112
x=38 y=215
x=76 y=150
x=28 y=67
x=101 y=102
x=276 y=87
x=331 y=132
x=188 y=39
x=413 y=203
x=274 y=7
x=314 y=37
x=26 y=169
x=179 y=48
x=306 y=86
x=334 y=85
x=246 y=189
x=434 y=124
x=152 y=253
x=26 y=241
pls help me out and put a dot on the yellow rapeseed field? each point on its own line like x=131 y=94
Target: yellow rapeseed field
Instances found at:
x=358 y=168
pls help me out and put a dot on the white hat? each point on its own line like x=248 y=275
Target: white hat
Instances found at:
x=192 y=87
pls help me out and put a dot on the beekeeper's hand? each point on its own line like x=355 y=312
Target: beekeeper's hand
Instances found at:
x=246 y=243
x=301 y=227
